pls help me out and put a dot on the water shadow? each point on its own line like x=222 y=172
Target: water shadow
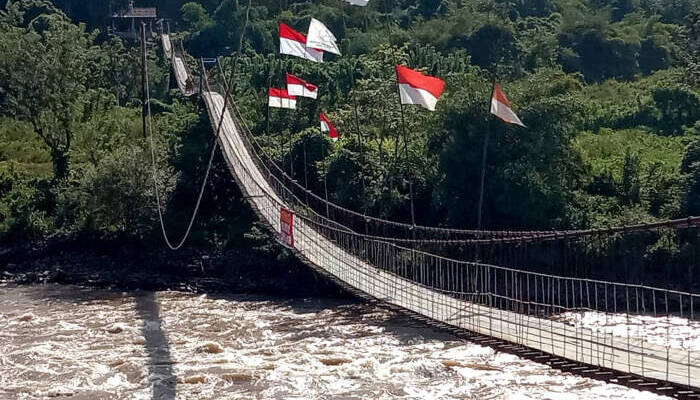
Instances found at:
x=160 y=364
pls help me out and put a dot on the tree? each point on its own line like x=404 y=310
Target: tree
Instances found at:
x=676 y=107
x=630 y=185
x=93 y=13
x=652 y=57
x=43 y=74
x=492 y=46
x=620 y=8
x=531 y=172
x=690 y=170
x=598 y=57
x=195 y=16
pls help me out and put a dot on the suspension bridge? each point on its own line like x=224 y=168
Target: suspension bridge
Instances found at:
x=476 y=283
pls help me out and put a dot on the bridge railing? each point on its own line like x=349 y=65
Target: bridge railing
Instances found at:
x=496 y=286
x=536 y=310
x=353 y=220
x=545 y=251
x=186 y=81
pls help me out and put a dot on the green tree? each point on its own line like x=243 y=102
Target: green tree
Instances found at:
x=690 y=169
x=43 y=74
x=531 y=172
x=630 y=185
x=116 y=194
x=491 y=47
x=195 y=16
x=675 y=108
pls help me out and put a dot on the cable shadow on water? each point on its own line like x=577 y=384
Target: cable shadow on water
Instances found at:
x=160 y=365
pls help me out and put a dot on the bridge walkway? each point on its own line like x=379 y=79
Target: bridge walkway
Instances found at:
x=345 y=256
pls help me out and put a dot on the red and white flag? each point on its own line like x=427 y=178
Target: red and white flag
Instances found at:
x=281 y=99
x=416 y=88
x=501 y=108
x=293 y=43
x=287 y=227
x=326 y=126
x=299 y=87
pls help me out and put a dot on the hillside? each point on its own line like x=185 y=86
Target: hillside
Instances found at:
x=609 y=93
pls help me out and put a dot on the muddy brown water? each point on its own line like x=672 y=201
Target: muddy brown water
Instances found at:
x=70 y=342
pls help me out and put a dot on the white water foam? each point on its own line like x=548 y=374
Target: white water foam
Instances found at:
x=270 y=349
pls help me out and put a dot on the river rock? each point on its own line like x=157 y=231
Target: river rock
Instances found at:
x=26 y=317
x=236 y=377
x=194 y=379
x=334 y=361
x=211 y=347
x=116 y=328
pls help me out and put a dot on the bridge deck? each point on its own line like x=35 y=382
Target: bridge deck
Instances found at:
x=584 y=345
x=179 y=67
x=167 y=46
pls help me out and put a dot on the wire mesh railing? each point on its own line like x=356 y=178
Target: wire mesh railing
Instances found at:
x=186 y=81
x=600 y=323
x=356 y=221
x=489 y=246
x=540 y=311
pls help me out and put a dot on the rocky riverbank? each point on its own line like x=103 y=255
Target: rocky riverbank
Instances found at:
x=130 y=264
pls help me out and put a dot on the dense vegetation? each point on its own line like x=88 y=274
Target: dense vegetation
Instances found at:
x=609 y=91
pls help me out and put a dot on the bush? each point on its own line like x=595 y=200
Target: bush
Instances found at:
x=24 y=206
x=116 y=194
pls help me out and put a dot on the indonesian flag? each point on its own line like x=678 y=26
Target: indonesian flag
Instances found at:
x=501 y=108
x=321 y=38
x=299 y=87
x=326 y=126
x=416 y=88
x=358 y=2
x=294 y=44
x=281 y=99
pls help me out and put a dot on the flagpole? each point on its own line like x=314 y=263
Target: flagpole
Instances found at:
x=359 y=141
x=483 y=155
x=325 y=176
x=306 y=179
x=357 y=119
x=403 y=126
x=240 y=44
x=291 y=158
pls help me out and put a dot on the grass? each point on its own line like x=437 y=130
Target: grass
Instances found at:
x=605 y=150
x=22 y=149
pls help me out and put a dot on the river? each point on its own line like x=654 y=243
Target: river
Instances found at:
x=59 y=341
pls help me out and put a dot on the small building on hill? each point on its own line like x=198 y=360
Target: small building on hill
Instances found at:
x=127 y=23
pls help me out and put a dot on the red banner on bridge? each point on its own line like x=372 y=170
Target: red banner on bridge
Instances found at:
x=287 y=227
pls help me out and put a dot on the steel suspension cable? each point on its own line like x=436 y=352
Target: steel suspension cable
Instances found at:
x=155 y=177
x=211 y=154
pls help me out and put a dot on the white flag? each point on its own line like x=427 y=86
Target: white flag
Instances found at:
x=319 y=37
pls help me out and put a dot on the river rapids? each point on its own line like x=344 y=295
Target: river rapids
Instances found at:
x=77 y=343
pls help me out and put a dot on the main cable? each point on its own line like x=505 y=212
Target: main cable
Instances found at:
x=155 y=174
x=209 y=164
